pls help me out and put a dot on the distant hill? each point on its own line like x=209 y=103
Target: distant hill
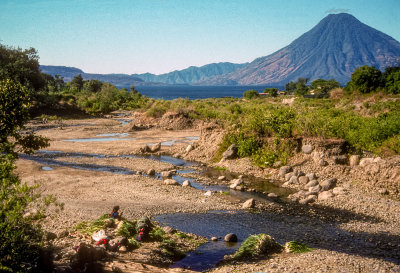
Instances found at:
x=186 y=76
x=332 y=49
x=192 y=74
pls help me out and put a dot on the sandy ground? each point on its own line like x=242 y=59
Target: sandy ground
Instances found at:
x=89 y=194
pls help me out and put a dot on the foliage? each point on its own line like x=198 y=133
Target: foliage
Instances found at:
x=157 y=234
x=128 y=229
x=296 y=247
x=273 y=92
x=77 y=83
x=323 y=87
x=365 y=79
x=392 y=80
x=301 y=87
x=290 y=87
x=20 y=244
x=250 y=94
x=89 y=227
x=21 y=66
x=258 y=244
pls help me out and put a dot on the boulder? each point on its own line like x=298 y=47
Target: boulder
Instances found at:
x=338 y=191
x=145 y=149
x=231 y=152
x=310 y=184
x=167 y=173
x=303 y=179
x=288 y=176
x=311 y=176
x=151 y=172
x=155 y=147
x=186 y=183
x=171 y=182
x=366 y=161
x=325 y=195
x=328 y=184
x=293 y=180
x=249 y=204
x=354 y=160
x=308 y=199
x=208 y=193
x=235 y=183
x=307 y=149
x=284 y=170
x=272 y=195
x=298 y=173
x=315 y=189
x=231 y=237
x=214 y=239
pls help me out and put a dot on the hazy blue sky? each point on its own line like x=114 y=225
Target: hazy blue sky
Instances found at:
x=158 y=36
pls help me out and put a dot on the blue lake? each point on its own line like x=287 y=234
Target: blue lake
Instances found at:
x=196 y=92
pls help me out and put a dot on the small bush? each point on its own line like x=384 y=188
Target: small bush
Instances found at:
x=296 y=247
x=259 y=244
x=250 y=94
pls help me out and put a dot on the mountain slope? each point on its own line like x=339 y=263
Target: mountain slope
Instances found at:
x=332 y=49
x=192 y=74
x=185 y=76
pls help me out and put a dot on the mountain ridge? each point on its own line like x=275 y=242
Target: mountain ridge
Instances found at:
x=333 y=48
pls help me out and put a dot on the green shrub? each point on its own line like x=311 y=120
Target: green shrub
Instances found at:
x=296 y=247
x=250 y=94
x=254 y=245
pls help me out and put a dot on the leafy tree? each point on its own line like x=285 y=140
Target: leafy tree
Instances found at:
x=92 y=86
x=21 y=66
x=301 y=87
x=365 y=79
x=77 y=83
x=290 y=87
x=322 y=87
x=20 y=238
x=392 y=80
x=273 y=92
x=250 y=94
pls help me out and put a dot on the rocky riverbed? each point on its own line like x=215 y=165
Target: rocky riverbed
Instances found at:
x=355 y=228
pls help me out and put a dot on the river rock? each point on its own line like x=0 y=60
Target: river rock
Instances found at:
x=328 y=184
x=338 y=191
x=311 y=176
x=186 y=183
x=214 y=239
x=122 y=249
x=231 y=237
x=272 y=195
x=303 y=179
x=170 y=182
x=308 y=199
x=298 y=173
x=366 y=161
x=208 y=193
x=325 y=195
x=167 y=173
x=221 y=178
x=310 y=184
x=145 y=149
x=284 y=170
x=353 y=160
x=235 y=183
x=277 y=164
x=315 y=189
x=293 y=180
x=249 y=204
x=151 y=172
x=48 y=235
x=155 y=147
x=63 y=234
x=189 y=148
x=307 y=149
x=288 y=176
x=230 y=153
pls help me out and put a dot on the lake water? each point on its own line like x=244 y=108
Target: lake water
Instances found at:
x=196 y=92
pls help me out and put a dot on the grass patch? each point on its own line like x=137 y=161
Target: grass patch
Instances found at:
x=90 y=227
x=220 y=168
x=297 y=247
x=255 y=245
